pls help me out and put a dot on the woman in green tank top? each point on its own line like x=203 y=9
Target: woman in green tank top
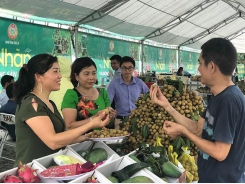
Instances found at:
x=83 y=102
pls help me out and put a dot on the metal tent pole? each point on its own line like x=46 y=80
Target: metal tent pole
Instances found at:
x=76 y=41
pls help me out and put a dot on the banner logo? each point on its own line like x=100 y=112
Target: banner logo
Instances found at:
x=111 y=45
x=12 y=31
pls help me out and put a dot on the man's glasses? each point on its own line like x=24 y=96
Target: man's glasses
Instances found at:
x=129 y=68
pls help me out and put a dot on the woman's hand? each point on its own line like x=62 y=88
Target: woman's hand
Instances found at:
x=112 y=113
x=157 y=97
x=82 y=138
x=100 y=120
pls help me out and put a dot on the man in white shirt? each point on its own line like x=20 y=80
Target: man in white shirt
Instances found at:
x=115 y=65
x=5 y=81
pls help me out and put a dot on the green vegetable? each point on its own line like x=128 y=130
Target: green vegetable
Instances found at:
x=134 y=158
x=112 y=179
x=170 y=170
x=129 y=170
x=97 y=155
x=138 y=179
x=144 y=154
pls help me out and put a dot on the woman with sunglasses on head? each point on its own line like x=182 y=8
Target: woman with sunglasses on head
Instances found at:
x=126 y=89
x=40 y=129
x=84 y=102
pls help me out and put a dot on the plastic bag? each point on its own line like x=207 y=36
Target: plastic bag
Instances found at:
x=173 y=157
x=189 y=164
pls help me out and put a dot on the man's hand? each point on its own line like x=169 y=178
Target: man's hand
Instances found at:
x=172 y=129
x=157 y=97
x=112 y=113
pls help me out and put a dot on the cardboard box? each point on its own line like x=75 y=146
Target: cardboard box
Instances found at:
x=181 y=179
x=122 y=162
x=99 y=177
x=88 y=145
x=33 y=165
x=48 y=160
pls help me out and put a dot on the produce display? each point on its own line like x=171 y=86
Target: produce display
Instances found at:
x=186 y=161
x=189 y=164
x=106 y=133
x=146 y=121
x=157 y=158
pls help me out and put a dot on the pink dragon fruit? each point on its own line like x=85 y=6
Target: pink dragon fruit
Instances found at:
x=61 y=171
x=86 y=167
x=92 y=179
x=99 y=163
x=27 y=174
x=11 y=179
x=68 y=170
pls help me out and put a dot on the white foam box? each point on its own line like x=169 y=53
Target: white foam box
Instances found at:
x=48 y=160
x=112 y=155
x=181 y=179
x=122 y=162
x=99 y=177
x=33 y=165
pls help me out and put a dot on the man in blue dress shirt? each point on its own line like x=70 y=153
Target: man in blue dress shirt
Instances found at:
x=125 y=90
x=115 y=65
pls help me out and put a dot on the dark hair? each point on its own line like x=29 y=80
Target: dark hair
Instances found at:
x=9 y=90
x=5 y=79
x=222 y=52
x=127 y=59
x=78 y=65
x=25 y=83
x=179 y=70
x=116 y=57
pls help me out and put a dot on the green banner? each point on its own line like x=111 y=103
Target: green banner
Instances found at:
x=100 y=49
x=189 y=61
x=240 y=71
x=157 y=59
x=20 y=41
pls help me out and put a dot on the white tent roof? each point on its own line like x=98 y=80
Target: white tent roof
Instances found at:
x=175 y=22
